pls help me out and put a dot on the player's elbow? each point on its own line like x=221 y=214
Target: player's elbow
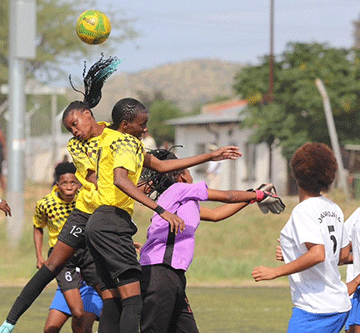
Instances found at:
x=119 y=183
x=319 y=256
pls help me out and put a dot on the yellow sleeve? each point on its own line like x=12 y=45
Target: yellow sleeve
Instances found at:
x=125 y=152
x=39 y=218
x=79 y=156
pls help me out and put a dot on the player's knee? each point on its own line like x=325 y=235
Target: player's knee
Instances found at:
x=78 y=314
x=51 y=329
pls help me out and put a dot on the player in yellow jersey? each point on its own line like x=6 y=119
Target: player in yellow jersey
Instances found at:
x=52 y=212
x=109 y=231
x=82 y=149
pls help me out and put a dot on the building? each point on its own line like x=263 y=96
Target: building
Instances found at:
x=221 y=124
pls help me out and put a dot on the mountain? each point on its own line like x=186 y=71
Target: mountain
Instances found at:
x=187 y=83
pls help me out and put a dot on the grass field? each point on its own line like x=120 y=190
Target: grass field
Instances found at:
x=216 y=310
x=225 y=255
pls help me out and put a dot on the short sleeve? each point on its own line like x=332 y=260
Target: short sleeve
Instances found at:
x=127 y=153
x=350 y=222
x=197 y=192
x=305 y=227
x=39 y=218
x=79 y=156
x=346 y=239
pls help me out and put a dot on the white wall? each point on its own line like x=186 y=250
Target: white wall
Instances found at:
x=234 y=173
x=39 y=157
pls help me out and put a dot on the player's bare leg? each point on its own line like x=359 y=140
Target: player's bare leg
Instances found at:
x=59 y=257
x=55 y=321
x=76 y=306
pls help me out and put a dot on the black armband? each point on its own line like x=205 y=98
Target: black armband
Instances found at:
x=159 y=210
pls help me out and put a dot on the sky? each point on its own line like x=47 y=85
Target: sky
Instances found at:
x=231 y=30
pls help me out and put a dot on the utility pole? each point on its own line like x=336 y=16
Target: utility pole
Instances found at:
x=271 y=55
x=333 y=135
x=270 y=94
x=22 y=28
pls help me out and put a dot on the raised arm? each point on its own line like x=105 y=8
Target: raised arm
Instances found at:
x=122 y=181
x=220 y=213
x=223 y=153
x=235 y=196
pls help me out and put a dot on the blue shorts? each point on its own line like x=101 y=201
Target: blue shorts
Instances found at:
x=354 y=316
x=305 y=322
x=91 y=299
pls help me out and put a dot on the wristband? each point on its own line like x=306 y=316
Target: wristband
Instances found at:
x=159 y=210
x=260 y=195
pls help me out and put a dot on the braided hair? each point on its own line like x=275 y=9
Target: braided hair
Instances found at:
x=158 y=182
x=126 y=109
x=93 y=82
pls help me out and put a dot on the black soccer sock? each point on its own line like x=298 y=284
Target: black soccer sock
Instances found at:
x=110 y=316
x=29 y=294
x=131 y=313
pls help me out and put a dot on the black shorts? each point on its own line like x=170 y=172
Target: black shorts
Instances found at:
x=109 y=238
x=73 y=231
x=166 y=308
x=80 y=267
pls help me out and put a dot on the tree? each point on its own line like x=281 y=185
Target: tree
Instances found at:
x=160 y=111
x=296 y=114
x=57 y=43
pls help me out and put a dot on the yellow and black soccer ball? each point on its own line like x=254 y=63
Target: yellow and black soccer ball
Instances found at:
x=93 y=27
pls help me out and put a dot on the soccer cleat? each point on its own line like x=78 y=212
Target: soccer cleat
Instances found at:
x=6 y=327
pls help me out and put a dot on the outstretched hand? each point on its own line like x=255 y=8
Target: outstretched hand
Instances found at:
x=271 y=201
x=225 y=153
x=5 y=207
x=176 y=223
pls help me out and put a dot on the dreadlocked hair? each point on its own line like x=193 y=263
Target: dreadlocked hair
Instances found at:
x=95 y=78
x=156 y=181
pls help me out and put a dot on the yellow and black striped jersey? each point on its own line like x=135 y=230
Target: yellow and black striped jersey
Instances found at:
x=84 y=155
x=52 y=212
x=117 y=150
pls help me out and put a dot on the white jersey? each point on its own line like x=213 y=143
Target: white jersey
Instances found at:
x=353 y=225
x=349 y=224
x=318 y=289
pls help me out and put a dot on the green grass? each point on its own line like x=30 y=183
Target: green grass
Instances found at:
x=216 y=309
x=225 y=252
x=225 y=255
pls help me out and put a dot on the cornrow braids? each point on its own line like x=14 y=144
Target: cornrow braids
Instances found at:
x=75 y=105
x=94 y=79
x=158 y=182
x=126 y=109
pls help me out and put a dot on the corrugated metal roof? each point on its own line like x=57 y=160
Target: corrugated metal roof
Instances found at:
x=233 y=115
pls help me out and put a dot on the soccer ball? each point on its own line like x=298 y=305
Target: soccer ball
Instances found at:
x=93 y=27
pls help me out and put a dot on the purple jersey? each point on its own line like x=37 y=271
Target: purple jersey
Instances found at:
x=163 y=247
